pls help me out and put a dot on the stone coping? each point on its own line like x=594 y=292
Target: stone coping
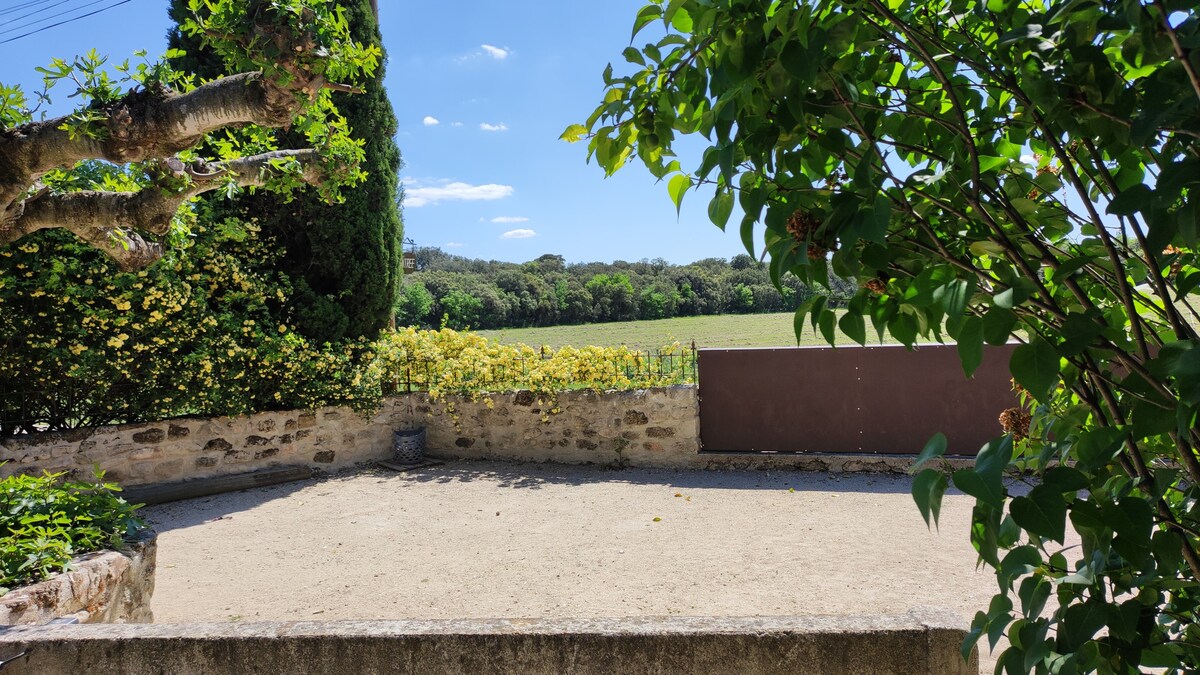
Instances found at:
x=100 y=587
x=924 y=641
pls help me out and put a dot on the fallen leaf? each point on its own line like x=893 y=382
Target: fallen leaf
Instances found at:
x=658 y=520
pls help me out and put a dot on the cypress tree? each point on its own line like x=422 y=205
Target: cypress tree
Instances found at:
x=342 y=260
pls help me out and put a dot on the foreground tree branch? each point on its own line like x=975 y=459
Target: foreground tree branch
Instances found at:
x=111 y=221
x=294 y=47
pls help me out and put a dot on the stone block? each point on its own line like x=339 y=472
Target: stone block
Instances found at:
x=155 y=435
x=177 y=431
x=206 y=462
x=257 y=440
x=324 y=457
x=660 y=432
x=306 y=420
x=266 y=454
x=144 y=453
x=169 y=470
x=218 y=445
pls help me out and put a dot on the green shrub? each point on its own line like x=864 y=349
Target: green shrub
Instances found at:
x=44 y=522
x=205 y=331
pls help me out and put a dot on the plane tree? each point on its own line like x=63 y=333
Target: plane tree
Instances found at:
x=119 y=170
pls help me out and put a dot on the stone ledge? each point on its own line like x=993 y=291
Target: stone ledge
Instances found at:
x=102 y=587
x=811 y=461
x=923 y=642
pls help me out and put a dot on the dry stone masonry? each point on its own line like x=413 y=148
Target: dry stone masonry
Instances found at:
x=102 y=587
x=656 y=427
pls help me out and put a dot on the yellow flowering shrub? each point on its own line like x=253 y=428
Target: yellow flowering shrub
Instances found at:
x=202 y=332
x=450 y=362
x=205 y=332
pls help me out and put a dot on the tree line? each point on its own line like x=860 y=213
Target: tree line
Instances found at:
x=461 y=292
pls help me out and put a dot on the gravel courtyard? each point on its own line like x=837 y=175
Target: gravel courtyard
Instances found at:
x=484 y=539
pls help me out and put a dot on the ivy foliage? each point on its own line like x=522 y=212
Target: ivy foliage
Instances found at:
x=987 y=172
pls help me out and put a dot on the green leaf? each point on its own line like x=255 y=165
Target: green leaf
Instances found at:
x=935 y=447
x=970 y=344
x=644 y=16
x=927 y=490
x=1034 y=593
x=988 y=489
x=988 y=163
x=678 y=185
x=720 y=208
x=1065 y=479
x=574 y=133
x=1186 y=370
x=747 y=232
x=998 y=325
x=825 y=323
x=854 y=326
x=986 y=247
x=1043 y=512
x=1130 y=201
x=1080 y=623
x=1035 y=366
x=993 y=458
x=1019 y=562
x=954 y=297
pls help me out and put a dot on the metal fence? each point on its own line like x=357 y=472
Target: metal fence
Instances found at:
x=642 y=368
x=74 y=406
x=850 y=400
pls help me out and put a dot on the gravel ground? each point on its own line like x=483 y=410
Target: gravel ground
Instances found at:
x=487 y=540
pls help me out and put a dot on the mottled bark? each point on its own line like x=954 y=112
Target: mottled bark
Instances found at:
x=142 y=126
x=113 y=221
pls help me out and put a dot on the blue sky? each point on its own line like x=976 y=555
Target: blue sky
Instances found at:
x=482 y=91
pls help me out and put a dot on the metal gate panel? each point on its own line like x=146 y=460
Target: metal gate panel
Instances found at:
x=849 y=400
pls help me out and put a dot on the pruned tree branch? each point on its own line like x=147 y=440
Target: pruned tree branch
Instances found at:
x=112 y=221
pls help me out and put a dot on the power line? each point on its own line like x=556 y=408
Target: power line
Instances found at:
x=47 y=18
x=44 y=8
x=17 y=8
x=65 y=21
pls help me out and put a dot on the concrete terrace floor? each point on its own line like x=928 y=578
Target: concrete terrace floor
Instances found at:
x=489 y=540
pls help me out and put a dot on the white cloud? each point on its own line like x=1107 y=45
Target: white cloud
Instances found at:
x=493 y=127
x=456 y=124
x=416 y=194
x=495 y=52
x=430 y=121
x=518 y=234
x=510 y=219
x=453 y=244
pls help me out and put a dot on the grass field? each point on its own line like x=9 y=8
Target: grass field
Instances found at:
x=728 y=330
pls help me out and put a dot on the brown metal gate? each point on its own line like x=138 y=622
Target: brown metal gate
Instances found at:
x=884 y=399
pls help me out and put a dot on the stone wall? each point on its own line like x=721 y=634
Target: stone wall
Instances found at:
x=102 y=587
x=921 y=643
x=140 y=454
x=656 y=427
x=652 y=427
